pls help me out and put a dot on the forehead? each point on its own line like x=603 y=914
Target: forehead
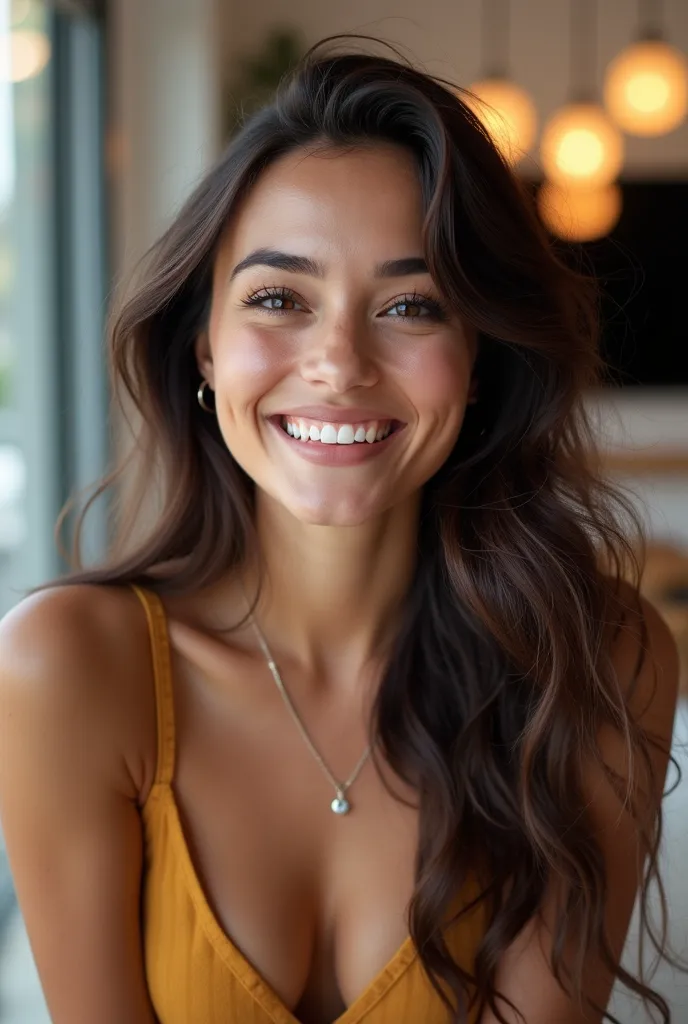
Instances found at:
x=364 y=203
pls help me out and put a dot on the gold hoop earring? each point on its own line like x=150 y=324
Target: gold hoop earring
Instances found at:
x=201 y=397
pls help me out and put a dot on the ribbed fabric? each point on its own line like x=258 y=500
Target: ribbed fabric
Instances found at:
x=195 y=973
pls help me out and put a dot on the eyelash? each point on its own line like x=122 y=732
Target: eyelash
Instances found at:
x=435 y=308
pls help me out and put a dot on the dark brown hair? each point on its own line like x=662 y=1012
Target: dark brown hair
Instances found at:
x=501 y=677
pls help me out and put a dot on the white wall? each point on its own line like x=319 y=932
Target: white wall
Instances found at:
x=446 y=37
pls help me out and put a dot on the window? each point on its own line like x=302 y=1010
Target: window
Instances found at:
x=53 y=433
x=53 y=410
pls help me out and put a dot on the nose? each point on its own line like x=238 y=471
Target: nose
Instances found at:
x=339 y=355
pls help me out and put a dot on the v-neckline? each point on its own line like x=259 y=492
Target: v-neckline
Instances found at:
x=232 y=956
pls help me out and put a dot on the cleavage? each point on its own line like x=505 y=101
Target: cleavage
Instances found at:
x=314 y=901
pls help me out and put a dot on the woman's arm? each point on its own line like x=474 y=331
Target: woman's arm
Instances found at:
x=524 y=975
x=68 y=807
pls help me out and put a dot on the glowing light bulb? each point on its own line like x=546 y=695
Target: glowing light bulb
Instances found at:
x=580 y=153
x=581 y=145
x=646 y=88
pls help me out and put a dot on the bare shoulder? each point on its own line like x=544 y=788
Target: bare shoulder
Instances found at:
x=79 y=655
x=80 y=635
x=75 y=707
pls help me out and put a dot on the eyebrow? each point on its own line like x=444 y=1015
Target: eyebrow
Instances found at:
x=303 y=265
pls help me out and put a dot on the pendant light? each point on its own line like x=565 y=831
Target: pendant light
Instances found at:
x=505 y=109
x=646 y=85
x=581 y=145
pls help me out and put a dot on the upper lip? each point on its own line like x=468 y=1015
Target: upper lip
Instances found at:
x=336 y=414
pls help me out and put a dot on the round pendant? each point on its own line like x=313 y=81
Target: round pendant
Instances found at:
x=340 y=805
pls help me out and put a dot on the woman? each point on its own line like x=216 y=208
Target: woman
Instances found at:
x=389 y=742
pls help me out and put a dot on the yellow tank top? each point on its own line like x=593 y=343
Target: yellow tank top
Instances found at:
x=196 y=974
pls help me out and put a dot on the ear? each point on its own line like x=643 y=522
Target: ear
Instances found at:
x=204 y=357
x=473 y=392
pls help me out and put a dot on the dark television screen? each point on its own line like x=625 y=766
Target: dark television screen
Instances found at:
x=642 y=268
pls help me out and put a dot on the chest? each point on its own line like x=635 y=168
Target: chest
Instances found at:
x=315 y=901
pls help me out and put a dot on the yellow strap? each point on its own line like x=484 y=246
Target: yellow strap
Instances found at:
x=162 y=674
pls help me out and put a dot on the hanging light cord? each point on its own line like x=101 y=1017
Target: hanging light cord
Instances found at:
x=583 y=52
x=495 y=38
x=650 y=19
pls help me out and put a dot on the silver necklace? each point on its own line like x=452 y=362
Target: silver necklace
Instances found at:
x=340 y=804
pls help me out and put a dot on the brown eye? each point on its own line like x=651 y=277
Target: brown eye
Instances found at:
x=417 y=307
x=408 y=309
x=280 y=300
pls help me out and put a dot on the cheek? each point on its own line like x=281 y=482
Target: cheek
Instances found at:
x=437 y=375
x=248 y=363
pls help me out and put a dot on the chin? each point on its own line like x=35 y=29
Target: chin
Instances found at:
x=343 y=512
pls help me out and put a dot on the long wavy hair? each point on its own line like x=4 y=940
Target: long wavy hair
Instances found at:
x=500 y=677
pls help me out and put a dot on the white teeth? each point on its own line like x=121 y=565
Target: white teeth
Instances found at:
x=329 y=433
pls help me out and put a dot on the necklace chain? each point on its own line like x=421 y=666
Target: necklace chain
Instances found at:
x=340 y=805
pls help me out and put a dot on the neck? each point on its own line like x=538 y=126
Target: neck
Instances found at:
x=331 y=596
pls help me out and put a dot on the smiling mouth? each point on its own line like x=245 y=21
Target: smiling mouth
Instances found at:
x=321 y=432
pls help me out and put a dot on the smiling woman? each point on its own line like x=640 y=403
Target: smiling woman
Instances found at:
x=360 y=370
x=328 y=317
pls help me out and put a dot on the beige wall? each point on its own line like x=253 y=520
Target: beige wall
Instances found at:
x=445 y=35
x=164 y=121
x=163 y=129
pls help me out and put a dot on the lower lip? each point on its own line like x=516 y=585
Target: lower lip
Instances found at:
x=336 y=454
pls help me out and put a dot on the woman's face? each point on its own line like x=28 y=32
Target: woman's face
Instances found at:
x=326 y=324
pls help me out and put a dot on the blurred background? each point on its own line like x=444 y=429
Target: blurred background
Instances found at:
x=110 y=111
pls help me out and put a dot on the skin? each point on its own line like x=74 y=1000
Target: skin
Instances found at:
x=318 y=909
